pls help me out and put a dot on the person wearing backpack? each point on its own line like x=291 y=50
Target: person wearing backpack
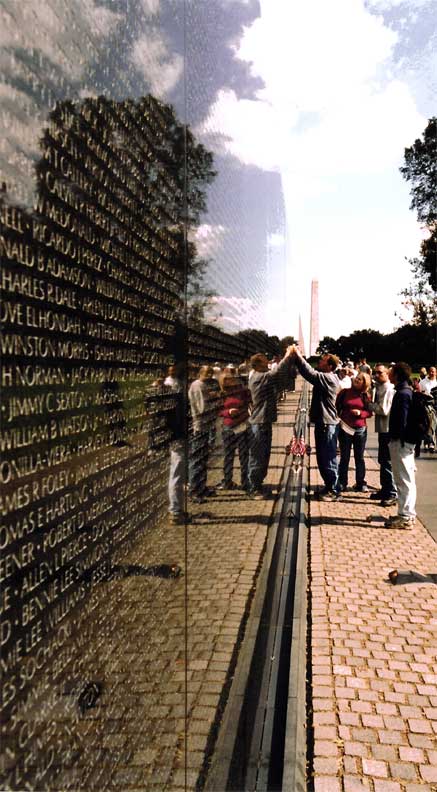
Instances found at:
x=401 y=446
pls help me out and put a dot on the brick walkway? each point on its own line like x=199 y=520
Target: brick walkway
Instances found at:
x=154 y=723
x=374 y=648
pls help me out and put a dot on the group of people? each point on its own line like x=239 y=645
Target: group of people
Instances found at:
x=244 y=399
x=340 y=415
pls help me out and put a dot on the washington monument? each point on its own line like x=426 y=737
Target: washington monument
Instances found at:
x=314 y=320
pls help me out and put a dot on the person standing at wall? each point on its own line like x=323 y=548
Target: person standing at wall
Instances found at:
x=353 y=411
x=323 y=413
x=263 y=386
x=402 y=447
x=235 y=430
x=203 y=413
x=380 y=406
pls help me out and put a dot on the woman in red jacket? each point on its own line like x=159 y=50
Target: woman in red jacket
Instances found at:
x=235 y=431
x=352 y=407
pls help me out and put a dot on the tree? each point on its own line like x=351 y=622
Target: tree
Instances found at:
x=327 y=345
x=420 y=169
x=419 y=297
x=287 y=341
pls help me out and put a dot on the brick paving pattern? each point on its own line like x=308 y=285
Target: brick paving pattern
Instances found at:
x=373 y=648
x=153 y=724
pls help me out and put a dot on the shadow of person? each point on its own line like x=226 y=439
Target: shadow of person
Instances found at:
x=402 y=577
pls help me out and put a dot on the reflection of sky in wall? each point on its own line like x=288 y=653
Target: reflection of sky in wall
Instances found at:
x=184 y=53
x=307 y=107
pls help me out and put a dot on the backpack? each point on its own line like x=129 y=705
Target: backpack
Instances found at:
x=421 y=417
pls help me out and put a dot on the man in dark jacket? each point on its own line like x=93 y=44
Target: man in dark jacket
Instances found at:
x=323 y=413
x=402 y=448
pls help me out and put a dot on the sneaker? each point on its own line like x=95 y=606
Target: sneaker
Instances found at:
x=361 y=487
x=376 y=495
x=257 y=494
x=400 y=521
x=388 y=501
x=208 y=492
x=179 y=519
x=331 y=496
x=224 y=486
x=197 y=498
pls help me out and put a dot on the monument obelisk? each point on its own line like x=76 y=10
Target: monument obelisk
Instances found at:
x=314 y=320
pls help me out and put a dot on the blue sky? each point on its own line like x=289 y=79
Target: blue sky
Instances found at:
x=347 y=85
x=307 y=106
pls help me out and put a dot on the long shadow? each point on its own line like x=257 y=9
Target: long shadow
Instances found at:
x=248 y=519
x=347 y=521
x=402 y=577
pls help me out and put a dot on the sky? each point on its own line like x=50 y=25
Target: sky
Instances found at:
x=307 y=105
x=346 y=86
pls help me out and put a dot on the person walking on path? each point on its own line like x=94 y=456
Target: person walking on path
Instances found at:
x=323 y=413
x=353 y=410
x=380 y=406
x=401 y=445
x=235 y=431
x=263 y=386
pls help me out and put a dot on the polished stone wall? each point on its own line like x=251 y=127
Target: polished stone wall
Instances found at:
x=104 y=187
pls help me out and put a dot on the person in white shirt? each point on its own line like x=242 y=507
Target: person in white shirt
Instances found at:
x=428 y=386
x=345 y=379
x=428 y=383
x=380 y=406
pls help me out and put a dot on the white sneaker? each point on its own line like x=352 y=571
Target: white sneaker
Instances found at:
x=400 y=521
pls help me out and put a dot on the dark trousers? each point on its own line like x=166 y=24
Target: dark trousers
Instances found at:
x=325 y=436
x=198 y=464
x=232 y=442
x=386 y=480
x=260 y=445
x=357 y=441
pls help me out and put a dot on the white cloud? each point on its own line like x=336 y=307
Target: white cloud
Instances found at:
x=235 y=313
x=58 y=30
x=150 y=7
x=208 y=239
x=160 y=68
x=387 y=5
x=334 y=118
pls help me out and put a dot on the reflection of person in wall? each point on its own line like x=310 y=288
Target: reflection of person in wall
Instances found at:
x=214 y=401
x=176 y=425
x=263 y=386
x=203 y=405
x=235 y=431
x=114 y=411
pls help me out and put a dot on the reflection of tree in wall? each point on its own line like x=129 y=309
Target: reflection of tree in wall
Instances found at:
x=174 y=159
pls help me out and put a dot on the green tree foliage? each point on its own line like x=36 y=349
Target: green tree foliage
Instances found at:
x=287 y=341
x=326 y=345
x=415 y=344
x=259 y=341
x=420 y=169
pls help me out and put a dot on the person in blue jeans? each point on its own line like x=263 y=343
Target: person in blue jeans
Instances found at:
x=353 y=407
x=235 y=430
x=264 y=385
x=323 y=413
x=380 y=406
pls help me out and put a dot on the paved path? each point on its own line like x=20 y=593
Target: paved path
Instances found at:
x=373 y=648
x=164 y=650
x=426 y=480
